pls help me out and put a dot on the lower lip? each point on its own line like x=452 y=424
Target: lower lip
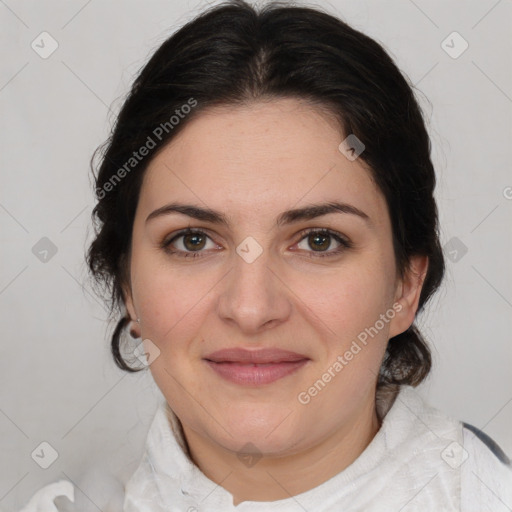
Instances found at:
x=249 y=375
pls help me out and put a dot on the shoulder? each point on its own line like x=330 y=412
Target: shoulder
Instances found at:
x=486 y=472
x=468 y=464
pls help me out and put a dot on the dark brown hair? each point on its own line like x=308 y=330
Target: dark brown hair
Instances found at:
x=234 y=54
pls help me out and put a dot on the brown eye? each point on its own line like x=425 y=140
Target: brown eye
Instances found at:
x=321 y=239
x=194 y=241
x=187 y=243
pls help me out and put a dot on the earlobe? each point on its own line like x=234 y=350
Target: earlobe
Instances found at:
x=135 y=329
x=135 y=320
x=413 y=282
x=408 y=294
x=128 y=302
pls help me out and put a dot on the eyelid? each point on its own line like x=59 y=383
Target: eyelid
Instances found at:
x=335 y=234
x=344 y=242
x=167 y=240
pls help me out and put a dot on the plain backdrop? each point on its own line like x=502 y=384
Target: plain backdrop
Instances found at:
x=58 y=383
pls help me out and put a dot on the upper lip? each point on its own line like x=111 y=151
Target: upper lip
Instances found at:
x=260 y=356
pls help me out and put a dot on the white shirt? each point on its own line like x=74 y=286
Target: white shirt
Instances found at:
x=419 y=460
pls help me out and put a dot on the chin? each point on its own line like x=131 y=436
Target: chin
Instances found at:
x=268 y=428
x=257 y=443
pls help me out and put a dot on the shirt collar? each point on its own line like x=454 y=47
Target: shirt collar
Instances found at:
x=168 y=469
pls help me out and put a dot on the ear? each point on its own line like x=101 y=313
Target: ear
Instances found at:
x=407 y=295
x=130 y=308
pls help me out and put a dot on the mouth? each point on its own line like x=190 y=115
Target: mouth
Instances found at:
x=255 y=367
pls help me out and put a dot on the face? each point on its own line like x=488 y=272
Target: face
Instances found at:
x=321 y=286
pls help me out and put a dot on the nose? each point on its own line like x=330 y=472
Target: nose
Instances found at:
x=254 y=296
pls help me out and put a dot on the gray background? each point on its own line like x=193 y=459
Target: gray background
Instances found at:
x=57 y=381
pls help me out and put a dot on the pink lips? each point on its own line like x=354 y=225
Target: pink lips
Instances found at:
x=255 y=367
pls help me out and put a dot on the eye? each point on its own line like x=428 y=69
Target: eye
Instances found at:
x=320 y=240
x=193 y=241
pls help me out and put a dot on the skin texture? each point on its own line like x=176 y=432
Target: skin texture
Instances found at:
x=252 y=163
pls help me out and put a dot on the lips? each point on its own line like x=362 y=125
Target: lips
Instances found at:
x=255 y=367
x=258 y=357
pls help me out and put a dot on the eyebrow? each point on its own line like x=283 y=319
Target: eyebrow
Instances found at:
x=285 y=218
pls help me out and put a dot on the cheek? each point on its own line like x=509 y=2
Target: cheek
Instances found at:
x=354 y=337
x=350 y=301
x=168 y=295
x=173 y=305
x=350 y=308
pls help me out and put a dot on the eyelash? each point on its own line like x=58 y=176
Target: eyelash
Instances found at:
x=344 y=243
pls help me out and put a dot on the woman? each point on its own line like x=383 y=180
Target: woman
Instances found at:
x=266 y=224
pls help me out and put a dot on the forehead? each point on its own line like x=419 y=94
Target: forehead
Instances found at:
x=263 y=157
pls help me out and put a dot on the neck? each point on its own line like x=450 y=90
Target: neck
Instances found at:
x=277 y=478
